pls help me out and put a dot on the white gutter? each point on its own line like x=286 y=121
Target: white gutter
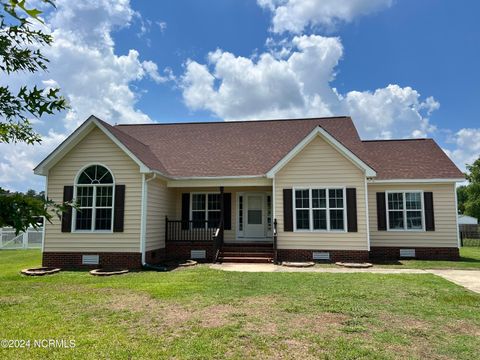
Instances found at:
x=430 y=181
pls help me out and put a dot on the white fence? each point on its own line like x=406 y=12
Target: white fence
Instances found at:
x=31 y=239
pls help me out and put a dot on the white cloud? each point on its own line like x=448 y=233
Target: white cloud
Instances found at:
x=18 y=160
x=162 y=25
x=298 y=84
x=152 y=70
x=94 y=79
x=296 y=15
x=467 y=146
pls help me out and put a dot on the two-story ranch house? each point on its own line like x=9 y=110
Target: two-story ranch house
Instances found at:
x=300 y=189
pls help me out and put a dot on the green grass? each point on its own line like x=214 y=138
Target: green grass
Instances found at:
x=201 y=313
x=471 y=242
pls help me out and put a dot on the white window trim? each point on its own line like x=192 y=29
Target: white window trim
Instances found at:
x=310 y=209
x=206 y=193
x=422 y=210
x=74 y=211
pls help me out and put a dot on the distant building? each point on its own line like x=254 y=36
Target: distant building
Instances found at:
x=467 y=220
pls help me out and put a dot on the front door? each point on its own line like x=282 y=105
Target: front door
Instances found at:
x=255 y=217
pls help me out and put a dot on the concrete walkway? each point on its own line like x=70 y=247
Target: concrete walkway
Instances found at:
x=469 y=279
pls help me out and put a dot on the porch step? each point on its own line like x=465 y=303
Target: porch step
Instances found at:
x=247 y=259
x=266 y=254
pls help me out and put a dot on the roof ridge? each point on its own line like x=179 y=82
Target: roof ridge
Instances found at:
x=236 y=121
x=379 y=140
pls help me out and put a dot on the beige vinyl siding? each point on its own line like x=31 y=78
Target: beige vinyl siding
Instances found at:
x=160 y=203
x=445 y=234
x=320 y=165
x=96 y=148
x=229 y=235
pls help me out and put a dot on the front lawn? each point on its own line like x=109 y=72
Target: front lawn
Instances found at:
x=200 y=313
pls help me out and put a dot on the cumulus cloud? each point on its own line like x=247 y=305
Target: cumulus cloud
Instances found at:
x=295 y=15
x=94 y=79
x=297 y=84
x=466 y=143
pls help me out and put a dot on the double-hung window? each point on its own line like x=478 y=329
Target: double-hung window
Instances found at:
x=205 y=210
x=405 y=210
x=319 y=209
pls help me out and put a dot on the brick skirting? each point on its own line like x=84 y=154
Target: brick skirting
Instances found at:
x=182 y=249
x=422 y=253
x=155 y=256
x=73 y=260
x=335 y=255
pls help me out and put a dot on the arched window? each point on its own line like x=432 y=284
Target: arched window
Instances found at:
x=94 y=196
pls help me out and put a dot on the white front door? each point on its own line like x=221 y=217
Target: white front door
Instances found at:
x=255 y=216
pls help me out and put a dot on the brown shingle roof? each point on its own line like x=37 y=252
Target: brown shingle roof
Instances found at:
x=210 y=149
x=410 y=159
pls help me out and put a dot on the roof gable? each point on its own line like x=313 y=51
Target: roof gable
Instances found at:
x=78 y=135
x=342 y=149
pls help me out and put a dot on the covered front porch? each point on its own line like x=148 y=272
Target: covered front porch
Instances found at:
x=222 y=224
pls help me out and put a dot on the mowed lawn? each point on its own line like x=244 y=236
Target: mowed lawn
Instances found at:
x=200 y=313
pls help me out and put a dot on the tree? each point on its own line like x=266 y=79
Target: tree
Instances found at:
x=472 y=204
x=22 y=211
x=462 y=197
x=20 y=51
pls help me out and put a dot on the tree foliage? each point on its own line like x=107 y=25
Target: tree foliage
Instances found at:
x=22 y=211
x=469 y=196
x=21 y=43
x=20 y=51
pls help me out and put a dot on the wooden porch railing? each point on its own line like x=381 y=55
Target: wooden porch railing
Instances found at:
x=190 y=230
x=275 y=258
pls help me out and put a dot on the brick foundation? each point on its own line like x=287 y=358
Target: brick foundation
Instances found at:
x=181 y=249
x=155 y=256
x=335 y=255
x=73 y=260
x=422 y=253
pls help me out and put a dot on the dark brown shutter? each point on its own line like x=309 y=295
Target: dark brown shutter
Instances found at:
x=287 y=210
x=429 y=214
x=352 y=210
x=381 y=211
x=185 y=210
x=67 y=215
x=227 y=211
x=119 y=208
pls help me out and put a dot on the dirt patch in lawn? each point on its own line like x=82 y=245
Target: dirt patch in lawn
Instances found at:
x=264 y=315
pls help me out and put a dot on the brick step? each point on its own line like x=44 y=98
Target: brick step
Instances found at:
x=251 y=259
x=267 y=254
x=247 y=249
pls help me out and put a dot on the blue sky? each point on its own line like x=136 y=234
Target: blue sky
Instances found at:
x=399 y=68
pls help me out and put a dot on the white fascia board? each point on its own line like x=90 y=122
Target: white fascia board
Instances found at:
x=70 y=142
x=62 y=149
x=415 y=181
x=369 y=172
x=143 y=167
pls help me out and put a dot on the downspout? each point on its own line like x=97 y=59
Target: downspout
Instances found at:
x=143 y=228
x=459 y=240
x=366 y=213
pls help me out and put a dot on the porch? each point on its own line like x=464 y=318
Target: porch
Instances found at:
x=222 y=224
